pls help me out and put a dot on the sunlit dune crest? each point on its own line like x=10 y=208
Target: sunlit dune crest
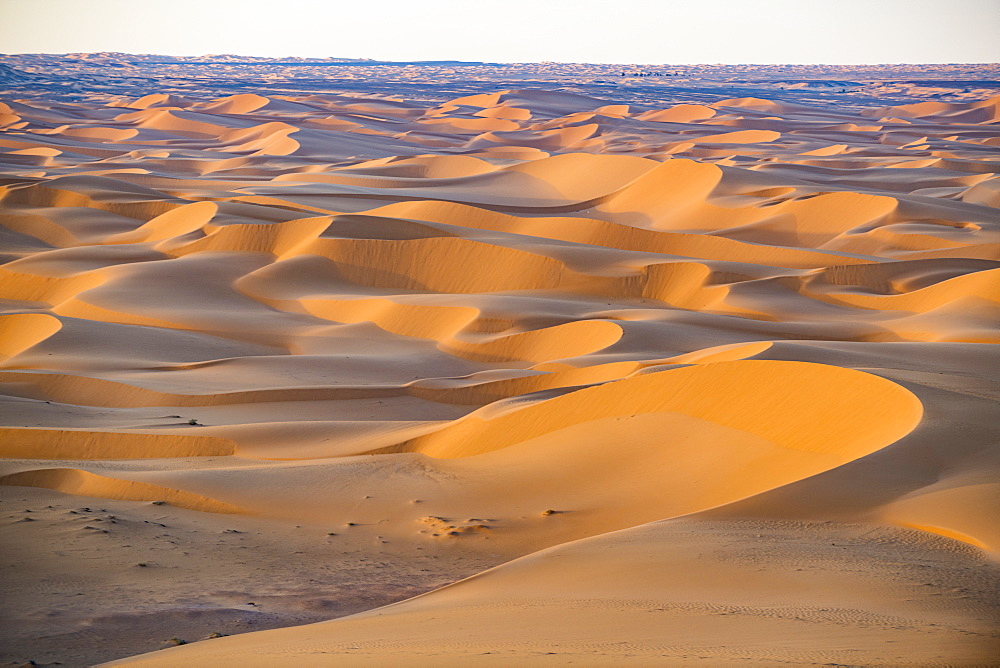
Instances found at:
x=690 y=382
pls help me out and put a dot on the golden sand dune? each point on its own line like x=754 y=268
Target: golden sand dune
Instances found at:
x=82 y=483
x=577 y=603
x=704 y=382
x=63 y=444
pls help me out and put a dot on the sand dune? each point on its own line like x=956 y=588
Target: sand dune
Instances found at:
x=83 y=483
x=693 y=598
x=703 y=382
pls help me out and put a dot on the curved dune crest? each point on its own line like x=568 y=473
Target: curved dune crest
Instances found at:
x=80 y=260
x=726 y=353
x=100 y=134
x=571 y=339
x=444 y=264
x=467 y=125
x=94 y=192
x=951 y=509
x=558 y=139
x=615 y=235
x=681 y=113
x=481 y=100
x=740 y=137
x=157 y=100
x=556 y=375
x=684 y=285
x=267 y=139
x=53 y=290
x=86 y=391
x=984 y=285
x=504 y=111
x=244 y=103
x=84 y=483
x=21 y=331
x=985 y=192
x=428 y=322
x=758 y=104
x=582 y=176
x=821 y=218
x=826 y=410
x=667 y=191
x=984 y=111
x=174 y=122
x=280 y=239
x=446 y=324
x=174 y=223
x=399 y=172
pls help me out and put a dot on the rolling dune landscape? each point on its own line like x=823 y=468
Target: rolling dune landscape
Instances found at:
x=524 y=368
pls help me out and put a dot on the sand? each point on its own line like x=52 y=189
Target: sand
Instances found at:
x=518 y=377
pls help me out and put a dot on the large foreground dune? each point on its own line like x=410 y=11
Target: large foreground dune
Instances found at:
x=610 y=383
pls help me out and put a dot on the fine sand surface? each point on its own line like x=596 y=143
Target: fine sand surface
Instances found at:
x=520 y=377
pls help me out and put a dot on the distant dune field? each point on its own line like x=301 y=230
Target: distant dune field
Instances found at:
x=524 y=377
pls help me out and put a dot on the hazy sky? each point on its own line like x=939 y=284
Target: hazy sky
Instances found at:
x=610 y=31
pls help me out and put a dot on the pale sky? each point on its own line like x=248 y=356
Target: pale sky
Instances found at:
x=596 y=31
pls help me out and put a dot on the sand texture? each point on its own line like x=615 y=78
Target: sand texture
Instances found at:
x=517 y=377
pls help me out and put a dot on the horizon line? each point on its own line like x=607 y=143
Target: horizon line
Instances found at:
x=362 y=60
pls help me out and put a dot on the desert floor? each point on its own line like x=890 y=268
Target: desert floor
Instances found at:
x=523 y=376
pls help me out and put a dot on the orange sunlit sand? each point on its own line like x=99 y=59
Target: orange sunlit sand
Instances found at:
x=595 y=382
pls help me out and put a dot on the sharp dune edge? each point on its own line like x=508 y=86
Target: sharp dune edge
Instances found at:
x=602 y=383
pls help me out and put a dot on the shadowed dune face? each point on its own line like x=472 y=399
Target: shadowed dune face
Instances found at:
x=513 y=320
